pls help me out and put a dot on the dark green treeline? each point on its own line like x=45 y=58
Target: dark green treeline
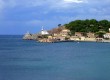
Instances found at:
x=87 y=25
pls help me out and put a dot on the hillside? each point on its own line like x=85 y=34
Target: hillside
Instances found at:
x=87 y=25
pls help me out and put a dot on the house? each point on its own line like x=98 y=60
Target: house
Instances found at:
x=56 y=34
x=107 y=36
x=109 y=29
x=50 y=37
x=90 y=35
x=65 y=32
x=90 y=39
x=82 y=38
x=74 y=38
x=78 y=34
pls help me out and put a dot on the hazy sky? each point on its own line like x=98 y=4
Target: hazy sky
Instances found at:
x=20 y=16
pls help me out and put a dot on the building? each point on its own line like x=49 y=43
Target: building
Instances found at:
x=78 y=34
x=75 y=38
x=65 y=32
x=90 y=35
x=44 y=32
x=107 y=36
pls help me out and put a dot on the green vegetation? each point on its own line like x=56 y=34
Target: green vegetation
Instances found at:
x=100 y=34
x=88 y=26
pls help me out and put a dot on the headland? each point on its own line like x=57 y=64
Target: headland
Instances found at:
x=78 y=30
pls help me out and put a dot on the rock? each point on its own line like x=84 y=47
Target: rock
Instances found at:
x=27 y=36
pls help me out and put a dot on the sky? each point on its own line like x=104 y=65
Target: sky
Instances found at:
x=20 y=16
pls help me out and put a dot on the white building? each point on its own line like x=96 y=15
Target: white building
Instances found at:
x=44 y=32
x=109 y=29
x=107 y=35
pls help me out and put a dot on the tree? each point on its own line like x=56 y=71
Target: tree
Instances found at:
x=59 y=25
x=100 y=34
x=104 y=25
x=87 y=25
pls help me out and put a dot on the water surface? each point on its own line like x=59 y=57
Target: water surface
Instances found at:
x=30 y=60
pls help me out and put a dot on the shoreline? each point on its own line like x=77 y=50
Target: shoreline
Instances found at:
x=76 y=41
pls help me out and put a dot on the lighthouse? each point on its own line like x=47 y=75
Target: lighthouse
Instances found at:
x=44 y=32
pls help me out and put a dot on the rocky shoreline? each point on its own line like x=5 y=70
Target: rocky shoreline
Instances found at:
x=62 y=34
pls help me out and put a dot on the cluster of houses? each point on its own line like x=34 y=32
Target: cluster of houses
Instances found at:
x=65 y=35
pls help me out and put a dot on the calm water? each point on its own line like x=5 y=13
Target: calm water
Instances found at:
x=29 y=60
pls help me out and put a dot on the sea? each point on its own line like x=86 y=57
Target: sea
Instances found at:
x=32 y=60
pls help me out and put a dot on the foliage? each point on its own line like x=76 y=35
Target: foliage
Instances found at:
x=87 y=25
x=100 y=34
x=44 y=36
x=59 y=25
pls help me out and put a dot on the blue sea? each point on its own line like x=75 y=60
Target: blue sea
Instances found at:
x=30 y=60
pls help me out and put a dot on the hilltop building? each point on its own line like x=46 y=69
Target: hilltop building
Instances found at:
x=44 y=32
